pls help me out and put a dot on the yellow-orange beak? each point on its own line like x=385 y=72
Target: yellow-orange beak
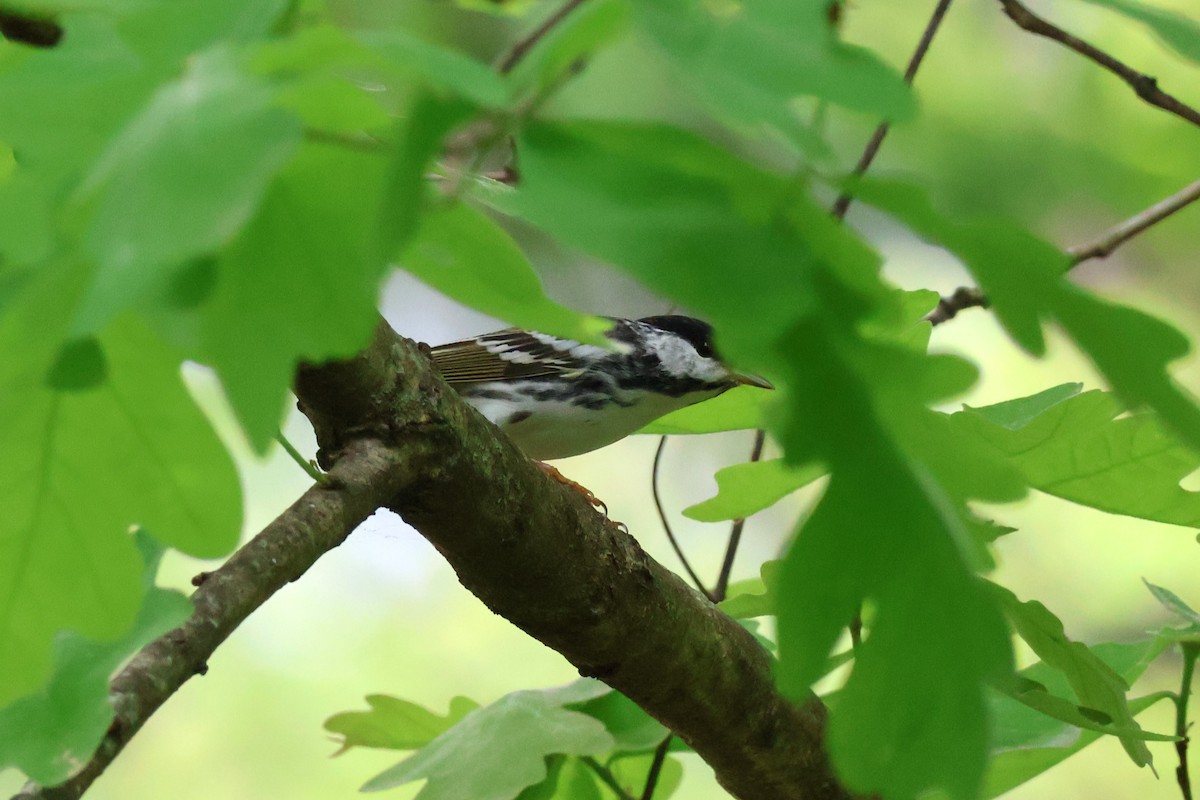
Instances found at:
x=746 y=379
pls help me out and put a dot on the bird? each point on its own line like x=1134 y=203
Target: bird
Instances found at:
x=557 y=398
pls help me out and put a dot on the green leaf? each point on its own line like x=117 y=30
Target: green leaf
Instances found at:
x=1180 y=33
x=505 y=743
x=1028 y=743
x=464 y=255
x=1016 y=414
x=395 y=724
x=631 y=772
x=567 y=779
x=745 y=489
x=574 y=38
x=754 y=597
x=1188 y=636
x=787 y=289
x=180 y=179
x=1083 y=717
x=419 y=139
x=49 y=733
x=71 y=103
x=81 y=467
x=1173 y=603
x=738 y=409
x=1094 y=684
x=752 y=62
x=448 y=70
x=1023 y=276
x=1083 y=449
x=80 y=365
x=164 y=34
x=631 y=727
x=300 y=282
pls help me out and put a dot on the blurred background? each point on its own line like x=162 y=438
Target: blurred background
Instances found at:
x=1012 y=125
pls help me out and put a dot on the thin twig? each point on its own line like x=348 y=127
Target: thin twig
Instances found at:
x=1143 y=85
x=1113 y=238
x=735 y=532
x=964 y=297
x=662 y=516
x=309 y=467
x=605 y=774
x=1103 y=246
x=660 y=757
x=842 y=204
x=1190 y=651
x=522 y=48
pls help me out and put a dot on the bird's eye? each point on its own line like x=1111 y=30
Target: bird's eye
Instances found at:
x=704 y=349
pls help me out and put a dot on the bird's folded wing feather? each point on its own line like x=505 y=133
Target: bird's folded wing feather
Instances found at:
x=506 y=355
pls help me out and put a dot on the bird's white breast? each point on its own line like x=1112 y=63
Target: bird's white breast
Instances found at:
x=559 y=429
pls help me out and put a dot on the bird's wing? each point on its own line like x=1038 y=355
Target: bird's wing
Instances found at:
x=510 y=354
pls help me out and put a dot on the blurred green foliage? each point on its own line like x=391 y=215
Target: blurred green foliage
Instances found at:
x=229 y=182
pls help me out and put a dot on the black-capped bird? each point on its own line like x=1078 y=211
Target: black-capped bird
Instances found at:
x=557 y=398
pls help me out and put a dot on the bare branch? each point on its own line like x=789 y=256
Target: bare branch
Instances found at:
x=735 y=530
x=392 y=433
x=365 y=478
x=1143 y=85
x=522 y=48
x=964 y=297
x=842 y=204
x=1113 y=238
x=971 y=297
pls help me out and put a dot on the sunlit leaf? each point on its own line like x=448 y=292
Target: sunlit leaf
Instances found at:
x=301 y=281
x=463 y=254
x=47 y=734
x=505 y=743
x=744 y=489
x=738 y=409
x=1023 y=276
x=752 y=62
x=631 y=727
x=395 y=724
x=84 y=465
x=754 y=597
x=1028 y=742
x=1083 y=448
x=160 y=197
x=1094 y=684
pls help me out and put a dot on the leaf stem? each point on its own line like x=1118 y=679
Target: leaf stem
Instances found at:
x=1145 y=86
x=522 y=47
x=842 y=204
x=1190 y=652
x=662 y=516
x=1113 y=238
x=735 y=532
x=605 y=774
x=305 y=464
x=660 y=757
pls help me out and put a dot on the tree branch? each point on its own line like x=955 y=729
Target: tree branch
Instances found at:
x=842 y=204
x=522 y=48
x=392 y=433
x=366 y=477
x=966 y=297
x=1143 y=85
x=1113 y=238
